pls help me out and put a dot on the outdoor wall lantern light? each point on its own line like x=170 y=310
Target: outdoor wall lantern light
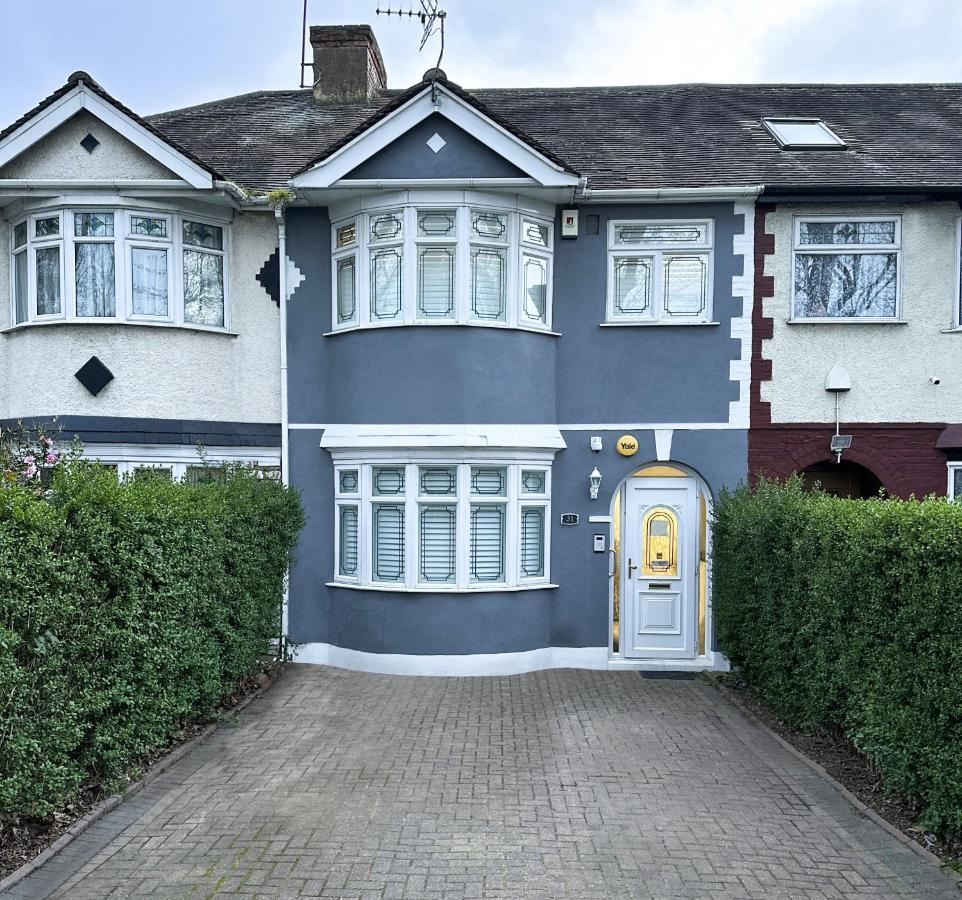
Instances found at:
x=594 y=483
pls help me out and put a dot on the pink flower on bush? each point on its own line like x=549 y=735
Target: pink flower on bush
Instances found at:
x=31 y=471
x=51 y=457
x=45 y=440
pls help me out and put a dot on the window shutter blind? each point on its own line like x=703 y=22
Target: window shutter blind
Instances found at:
x=348 y=541
x=386 y=284
x=632 y=286
x=487 y=543
x=436 y=282
x=532 y=541
x=388 y=543
x=685 y=285
x=438 y=548
x=346 y=291
x=20 y=285
x=487 y=283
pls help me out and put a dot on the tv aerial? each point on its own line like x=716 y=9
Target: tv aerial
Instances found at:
x=432 y=21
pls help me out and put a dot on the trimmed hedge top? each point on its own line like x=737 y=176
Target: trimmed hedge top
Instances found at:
x=848 y=614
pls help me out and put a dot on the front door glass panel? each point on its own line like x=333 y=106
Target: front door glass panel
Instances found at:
x=660 y=538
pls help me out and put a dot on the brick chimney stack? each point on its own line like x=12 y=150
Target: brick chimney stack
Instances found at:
x=347 y=64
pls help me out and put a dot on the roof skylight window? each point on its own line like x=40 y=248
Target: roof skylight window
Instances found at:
x=803 y=134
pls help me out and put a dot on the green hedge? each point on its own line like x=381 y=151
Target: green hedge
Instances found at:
x=127 y=608
x=847 y=614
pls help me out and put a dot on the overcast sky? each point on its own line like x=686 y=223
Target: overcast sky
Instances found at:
x=173 y=53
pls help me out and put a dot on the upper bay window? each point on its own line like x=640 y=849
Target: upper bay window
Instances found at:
x=659 y=272
x=847 y=269
x=119 y=265
x=424 y=264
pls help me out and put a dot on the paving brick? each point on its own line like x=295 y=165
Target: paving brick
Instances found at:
x=563 y=784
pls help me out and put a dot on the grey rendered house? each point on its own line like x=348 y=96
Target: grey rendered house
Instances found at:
x=509 y=345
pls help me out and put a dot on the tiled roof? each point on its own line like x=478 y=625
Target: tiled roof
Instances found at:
x=689 y=135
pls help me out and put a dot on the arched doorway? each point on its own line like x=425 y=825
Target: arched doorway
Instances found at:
x=844 y=479
x=659 y=567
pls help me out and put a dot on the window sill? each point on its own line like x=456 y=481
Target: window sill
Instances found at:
x=489 y=589
x=657 y=324
x=955 y=329
x=112 y=323
x=846 y=321
x=501 y=327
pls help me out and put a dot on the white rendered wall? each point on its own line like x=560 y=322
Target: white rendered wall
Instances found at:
x=890 y=365
x=59 y=155
x=167 y=373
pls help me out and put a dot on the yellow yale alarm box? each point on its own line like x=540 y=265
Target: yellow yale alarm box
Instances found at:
x=627 y=445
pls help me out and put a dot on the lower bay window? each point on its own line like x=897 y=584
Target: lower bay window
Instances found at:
x=955 y=481
x=119 y=265
x=440 y=525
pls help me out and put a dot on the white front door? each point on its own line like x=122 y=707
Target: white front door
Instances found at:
x=659 y=569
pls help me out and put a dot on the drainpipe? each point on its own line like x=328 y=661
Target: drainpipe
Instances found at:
x=285 y=446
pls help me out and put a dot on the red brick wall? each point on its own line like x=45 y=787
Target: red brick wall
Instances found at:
x=903 y=457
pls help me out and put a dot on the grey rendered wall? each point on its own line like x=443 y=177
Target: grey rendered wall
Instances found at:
x=572 y=615
x=462 y=156
x=463 y=374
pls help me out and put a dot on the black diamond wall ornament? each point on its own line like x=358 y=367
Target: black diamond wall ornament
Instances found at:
x=94 y=375
x=90 y=143
x=270 y=277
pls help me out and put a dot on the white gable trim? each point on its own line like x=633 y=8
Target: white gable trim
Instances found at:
x=81 y=98
x=478 y=437
x=417 y=109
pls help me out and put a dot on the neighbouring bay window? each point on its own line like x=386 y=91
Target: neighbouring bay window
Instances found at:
x=846 y=269
x=442 y=525
x=419 y=264
x=659 y=272
x=119 y=265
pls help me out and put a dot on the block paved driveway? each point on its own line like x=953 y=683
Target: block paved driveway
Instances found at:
x=550 y=785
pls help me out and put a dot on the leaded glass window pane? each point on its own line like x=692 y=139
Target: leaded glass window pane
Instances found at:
x=347 y=540
x=148 y=226
x=534 y=233
x=534 y=272
x=48 y=281
x=348 y=481
x=686 y=285
x=846 y=285
x=346 y=290
x=436 y=223
x=148 y=275
x=847 y=232
x=95 y=279
x=388 y=227
x=437 y=553
x=486 y=556
x=488 y=481
x=633 y=282
x=532 y=541
x=489 y=226
x=439 y=481
x=388 y=540
x=388 y=481
x=199 y=234
x=386 y=284
x=655 y=234
x=436 y=282
x=93 y=224
x=347 y=234
x=203 y=288
x=48 y=226
x=488 y=284
x=533 y=481
x=20 y=285
x=20 y=234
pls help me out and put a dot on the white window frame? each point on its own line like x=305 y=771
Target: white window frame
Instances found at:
x=831 y=142
x=513 y=501
x=844 y=250
x=464 y=205
x=123 y=243
x=957 y=313
x=657 y=314
x=128 y=458
x=953 y=466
